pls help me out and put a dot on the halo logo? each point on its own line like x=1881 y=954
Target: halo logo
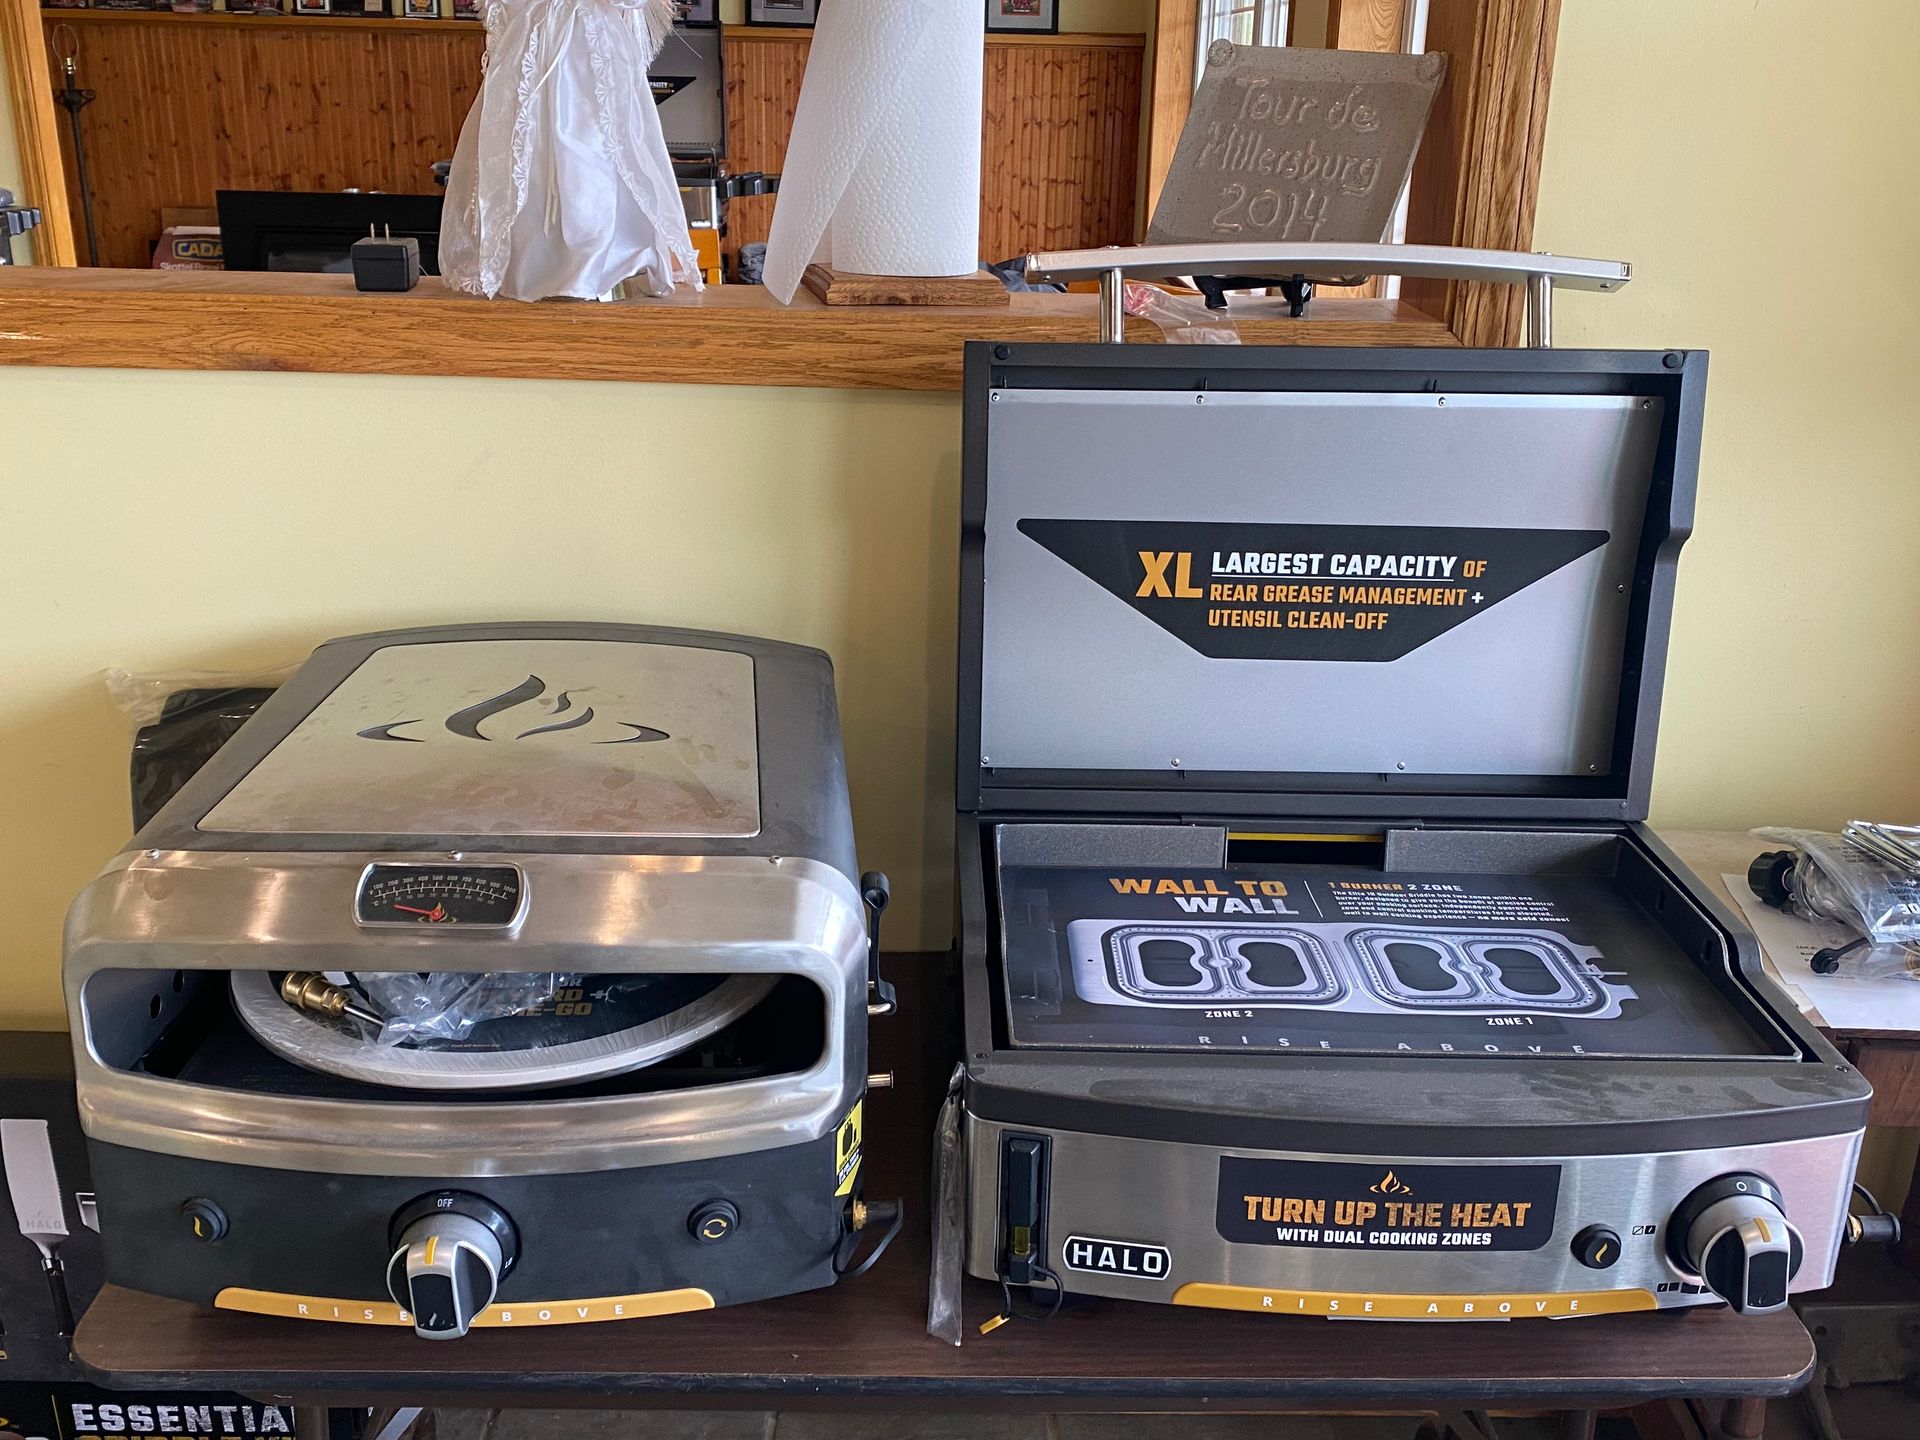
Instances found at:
x=466 y=723
x=1390 y=1184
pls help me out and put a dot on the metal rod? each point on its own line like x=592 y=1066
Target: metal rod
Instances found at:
x=1540 y=312
x=1113 y=307
x=1326 y=260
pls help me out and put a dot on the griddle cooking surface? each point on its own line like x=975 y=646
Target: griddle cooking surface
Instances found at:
x=1328 y=958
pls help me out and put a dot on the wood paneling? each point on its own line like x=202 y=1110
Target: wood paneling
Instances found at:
x=37 y=126
x=193 y=104
x=1060 y=147
x=1176 y=25
x=1477 y=176
x=763 y=87
x=186 y=108
x=731 y=334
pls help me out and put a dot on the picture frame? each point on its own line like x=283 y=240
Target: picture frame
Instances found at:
x=313 y=7
x=699 y=14
x=421 y=10
x=1023 y=17
x=791 y=14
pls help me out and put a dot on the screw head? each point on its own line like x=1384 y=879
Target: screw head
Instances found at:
x=1672 y=359
x=1399 y=764
x=1176 y=762
x=1199 y=399
x=1001 y=352
x=1442 y=400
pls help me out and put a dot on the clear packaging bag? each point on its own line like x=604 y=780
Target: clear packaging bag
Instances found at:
x=949 y=1217
x=1183 y=319
x=1839 y=881
x=447 y=1006
x=1830 y=879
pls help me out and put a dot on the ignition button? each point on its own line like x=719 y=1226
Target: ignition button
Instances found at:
x=205 y=1220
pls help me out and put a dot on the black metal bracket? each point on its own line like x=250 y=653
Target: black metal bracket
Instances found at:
x=876 y=892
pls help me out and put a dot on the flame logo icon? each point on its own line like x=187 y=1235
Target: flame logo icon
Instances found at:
x=466 y=723
x=1390 y=1184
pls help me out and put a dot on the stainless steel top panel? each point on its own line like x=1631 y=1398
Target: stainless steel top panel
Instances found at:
x=526 y=737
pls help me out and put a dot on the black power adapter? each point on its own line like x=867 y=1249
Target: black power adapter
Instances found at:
x=381 y=262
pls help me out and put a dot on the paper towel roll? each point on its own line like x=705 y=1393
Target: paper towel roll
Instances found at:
x=882 y=174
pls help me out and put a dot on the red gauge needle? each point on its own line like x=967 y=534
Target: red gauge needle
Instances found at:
x=437 y=913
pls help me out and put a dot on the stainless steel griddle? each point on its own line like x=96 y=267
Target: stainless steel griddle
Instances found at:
x=1317 y=958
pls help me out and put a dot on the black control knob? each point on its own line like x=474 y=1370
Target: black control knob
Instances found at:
x=1734 y=1234
x=451 y=1250
x=1597 y=1247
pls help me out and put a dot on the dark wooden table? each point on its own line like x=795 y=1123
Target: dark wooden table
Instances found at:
x=866 y=1341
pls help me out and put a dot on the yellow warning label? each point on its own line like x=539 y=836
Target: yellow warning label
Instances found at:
x=846 y=1151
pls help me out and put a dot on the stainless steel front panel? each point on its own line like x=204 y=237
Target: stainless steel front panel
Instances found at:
x=154 y=913
x=1075 y=678
x=1156 y=1193
x=517 y=737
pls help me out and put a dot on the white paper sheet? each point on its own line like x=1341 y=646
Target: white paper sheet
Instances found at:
x=1840 y=1002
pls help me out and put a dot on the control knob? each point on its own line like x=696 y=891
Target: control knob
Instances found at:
x=1734 y=1234
x=451 y=1250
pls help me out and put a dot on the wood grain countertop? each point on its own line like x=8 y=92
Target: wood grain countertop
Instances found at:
x=726 y=335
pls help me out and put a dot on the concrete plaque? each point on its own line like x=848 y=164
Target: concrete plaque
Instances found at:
x=1285 y=144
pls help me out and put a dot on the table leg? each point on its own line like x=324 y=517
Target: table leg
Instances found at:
x=1744 y=1419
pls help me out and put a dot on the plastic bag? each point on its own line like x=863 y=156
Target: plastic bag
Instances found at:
x=1845 y=883
x=181 y=719
x=949 y=1217
x=561 y=184
x=1183 y=319
x=447 y=1006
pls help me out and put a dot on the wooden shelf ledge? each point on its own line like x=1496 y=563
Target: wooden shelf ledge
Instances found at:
x=728 y=335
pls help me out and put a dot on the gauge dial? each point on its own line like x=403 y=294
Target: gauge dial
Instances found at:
x=471 y=895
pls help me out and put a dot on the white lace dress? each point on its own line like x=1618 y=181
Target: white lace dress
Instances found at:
x=561 y=184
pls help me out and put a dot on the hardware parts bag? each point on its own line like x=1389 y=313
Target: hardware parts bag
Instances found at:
x=561 y=185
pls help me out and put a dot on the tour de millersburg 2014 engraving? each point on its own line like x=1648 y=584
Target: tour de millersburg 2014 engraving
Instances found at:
x=1264 y=139
x=1296 y=145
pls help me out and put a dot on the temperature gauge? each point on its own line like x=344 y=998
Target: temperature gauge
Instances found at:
x=475 y=896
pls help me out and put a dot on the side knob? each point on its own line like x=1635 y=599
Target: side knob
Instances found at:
x=1734 y=1234
x=450 y=1252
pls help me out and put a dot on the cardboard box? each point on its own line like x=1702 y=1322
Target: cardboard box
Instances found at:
x=189 y=247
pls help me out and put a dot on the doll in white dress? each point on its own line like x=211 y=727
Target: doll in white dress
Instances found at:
x=561 y=184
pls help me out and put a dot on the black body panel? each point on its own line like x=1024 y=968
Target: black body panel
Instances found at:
x=583 y=1236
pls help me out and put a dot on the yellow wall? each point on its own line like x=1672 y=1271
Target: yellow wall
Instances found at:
x=1754 y=162
x=155 y=520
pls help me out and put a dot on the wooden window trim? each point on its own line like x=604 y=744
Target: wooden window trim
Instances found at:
x=36 y=122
